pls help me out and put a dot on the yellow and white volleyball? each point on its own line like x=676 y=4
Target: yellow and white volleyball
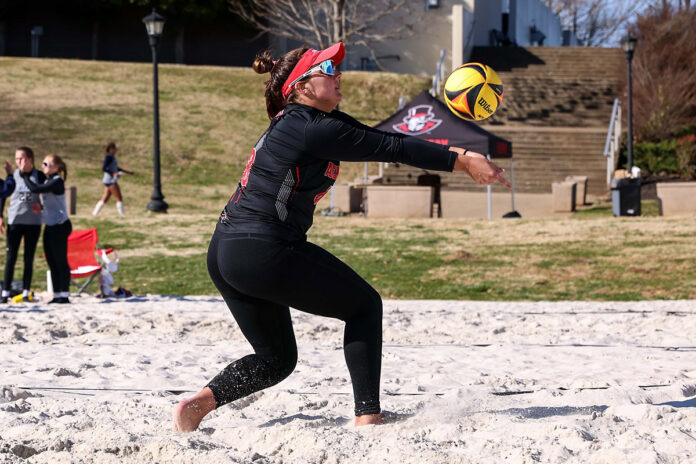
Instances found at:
x=473 y=91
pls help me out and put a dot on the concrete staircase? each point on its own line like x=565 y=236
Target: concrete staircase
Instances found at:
x=556 y=108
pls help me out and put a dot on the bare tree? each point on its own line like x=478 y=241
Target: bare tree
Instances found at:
x=325 y=22
x=595 y=22
x=664 y=70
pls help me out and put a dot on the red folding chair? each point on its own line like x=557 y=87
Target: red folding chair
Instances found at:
x=82 y=246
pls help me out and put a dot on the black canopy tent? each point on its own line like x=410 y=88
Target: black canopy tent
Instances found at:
x=429 y=119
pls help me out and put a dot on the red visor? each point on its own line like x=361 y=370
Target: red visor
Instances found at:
x=311 y=58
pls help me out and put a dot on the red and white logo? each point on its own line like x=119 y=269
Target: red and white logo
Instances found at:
x=419 y=120
x=332 y=171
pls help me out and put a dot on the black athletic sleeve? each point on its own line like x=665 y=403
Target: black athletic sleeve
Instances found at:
x=7 y=188
x=53 y=185
x=339 y=137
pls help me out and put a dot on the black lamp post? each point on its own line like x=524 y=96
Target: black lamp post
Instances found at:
x=154 y=23
x=629 y=46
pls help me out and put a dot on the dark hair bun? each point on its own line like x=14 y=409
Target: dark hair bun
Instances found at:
x=263 y=62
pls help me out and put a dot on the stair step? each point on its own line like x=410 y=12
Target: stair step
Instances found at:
x=555 y=111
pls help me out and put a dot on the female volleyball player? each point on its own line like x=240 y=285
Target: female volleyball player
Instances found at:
x=112 y=173
x=259 y=258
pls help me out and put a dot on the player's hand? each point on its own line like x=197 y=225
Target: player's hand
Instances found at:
x=8 y=168
x=485 y=172
x=481 y=170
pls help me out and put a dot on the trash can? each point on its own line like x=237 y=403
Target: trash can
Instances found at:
x=625 y=197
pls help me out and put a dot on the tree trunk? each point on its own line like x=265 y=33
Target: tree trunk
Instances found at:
x=2 y=38
x=179 y=48
x=339 y=21
x=95 y=40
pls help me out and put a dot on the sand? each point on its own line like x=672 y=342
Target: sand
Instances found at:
x=462 y=382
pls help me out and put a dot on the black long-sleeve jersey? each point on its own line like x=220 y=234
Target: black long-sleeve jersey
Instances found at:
x=296 y=162
x=53 y=184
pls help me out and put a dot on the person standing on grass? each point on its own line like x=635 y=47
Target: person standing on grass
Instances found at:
x=112 y=172
x=259 y=257
x=24 y=221
x=58 y=226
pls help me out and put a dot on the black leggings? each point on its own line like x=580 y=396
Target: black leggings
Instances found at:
x=259 y=277
x=55 y=241
x=15 y=232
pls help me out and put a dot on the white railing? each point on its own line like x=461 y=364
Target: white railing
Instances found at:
x=612 y=145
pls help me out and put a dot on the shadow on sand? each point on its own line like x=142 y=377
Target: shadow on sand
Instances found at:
x=313 y=421
x=690 y=403
x=540 y=412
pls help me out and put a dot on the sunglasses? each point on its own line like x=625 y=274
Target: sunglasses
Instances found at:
x=325 y=67
x=48 y=165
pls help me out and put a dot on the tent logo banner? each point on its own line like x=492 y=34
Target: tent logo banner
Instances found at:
x=419 y=120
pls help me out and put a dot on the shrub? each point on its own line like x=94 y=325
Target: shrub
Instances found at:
x=686 y=156
x=656 y=157
x=674 y=156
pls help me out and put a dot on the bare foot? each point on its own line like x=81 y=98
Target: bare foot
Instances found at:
x=190 y=412
x=368 y=419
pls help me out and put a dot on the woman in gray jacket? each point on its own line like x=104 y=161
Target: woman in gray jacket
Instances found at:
x=58 y=225
x=24 y=221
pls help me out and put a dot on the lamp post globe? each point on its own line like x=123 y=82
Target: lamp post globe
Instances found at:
x=154 y=24
x=629 y=47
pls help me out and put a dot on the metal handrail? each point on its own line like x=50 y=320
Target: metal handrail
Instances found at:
x=438 y=76
x=614 y=110
x=612 y=144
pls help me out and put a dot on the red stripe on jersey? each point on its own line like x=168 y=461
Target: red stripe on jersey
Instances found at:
x=321 y=195
x=245 y=177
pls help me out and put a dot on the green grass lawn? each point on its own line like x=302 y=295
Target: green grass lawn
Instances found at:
x=604 y=209
x=576 y=258
x=211 y=117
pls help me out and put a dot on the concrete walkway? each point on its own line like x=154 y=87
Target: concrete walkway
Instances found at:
x=457 y=204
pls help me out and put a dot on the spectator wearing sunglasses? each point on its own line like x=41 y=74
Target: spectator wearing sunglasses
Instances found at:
x=259 y=257
x=57 y=224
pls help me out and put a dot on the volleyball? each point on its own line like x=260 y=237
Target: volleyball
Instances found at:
x=473 y=91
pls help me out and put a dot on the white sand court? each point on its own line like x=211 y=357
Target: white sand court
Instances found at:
x=462 y=381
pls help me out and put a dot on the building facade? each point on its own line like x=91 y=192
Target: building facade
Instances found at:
x=459 y=25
